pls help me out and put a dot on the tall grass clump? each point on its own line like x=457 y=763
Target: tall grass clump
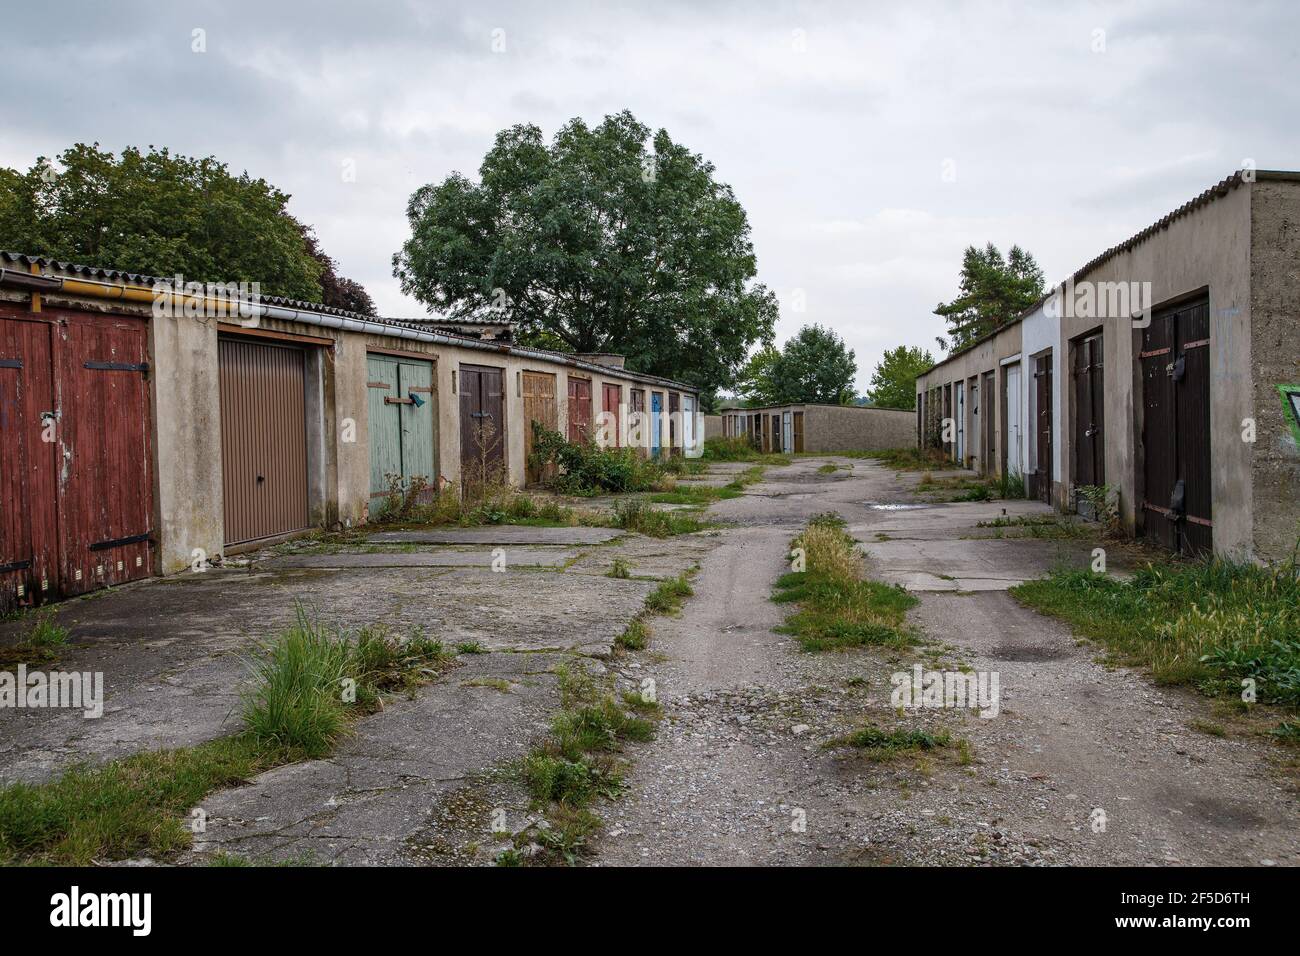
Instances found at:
x=837 y=606
x=310 y=681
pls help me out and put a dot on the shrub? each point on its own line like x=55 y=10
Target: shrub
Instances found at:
x=587 y=469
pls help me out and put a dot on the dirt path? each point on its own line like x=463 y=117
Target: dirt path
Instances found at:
x=738 y=775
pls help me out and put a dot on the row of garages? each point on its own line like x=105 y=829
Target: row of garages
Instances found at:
x=816 y=428
x=1166 y=369
x=142 y=440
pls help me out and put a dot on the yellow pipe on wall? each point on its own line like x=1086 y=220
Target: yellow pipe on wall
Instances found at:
x=144 y=294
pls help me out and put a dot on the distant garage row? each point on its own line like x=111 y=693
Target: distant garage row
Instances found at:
x=146 y=440
x=819 y=428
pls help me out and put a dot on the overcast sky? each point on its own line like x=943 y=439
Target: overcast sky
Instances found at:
x=1063 y=127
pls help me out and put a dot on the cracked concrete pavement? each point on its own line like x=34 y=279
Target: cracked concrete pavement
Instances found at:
x=737 y=773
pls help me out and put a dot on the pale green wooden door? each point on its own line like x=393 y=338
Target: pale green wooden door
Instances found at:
x=415 y=381
x=401 y=421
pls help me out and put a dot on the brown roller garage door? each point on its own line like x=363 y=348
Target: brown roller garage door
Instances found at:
x=263 y=439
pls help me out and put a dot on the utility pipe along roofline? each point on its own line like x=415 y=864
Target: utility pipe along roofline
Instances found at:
x=245 y=309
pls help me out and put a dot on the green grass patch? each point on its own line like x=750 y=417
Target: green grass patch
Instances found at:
x=311 y=681
x=905 y=459
x=138 y=805
x=635 y=636
x=881 y=745
x=1210 y=624
x=1037 y=526
x=697 y=495
x=41 y=644
x=308 y=685
x=837 y=607
x=640 y=517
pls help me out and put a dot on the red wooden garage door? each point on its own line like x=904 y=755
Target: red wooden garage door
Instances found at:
x=76 y=483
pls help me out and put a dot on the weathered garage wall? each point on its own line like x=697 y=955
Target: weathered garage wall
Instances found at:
x=712 y=426
x=851 y=428
x=1274 y=361
x=1207 y=248
x=186 y=398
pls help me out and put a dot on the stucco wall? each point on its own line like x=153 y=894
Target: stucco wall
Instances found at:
x=850 y=428
x=712 y=426
x=1275 y=360
x=186 y=409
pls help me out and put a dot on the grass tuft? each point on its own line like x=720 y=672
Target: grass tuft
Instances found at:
x=40 y=645
x=880 y=745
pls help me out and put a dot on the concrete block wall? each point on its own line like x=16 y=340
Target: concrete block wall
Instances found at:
x=1274 y=360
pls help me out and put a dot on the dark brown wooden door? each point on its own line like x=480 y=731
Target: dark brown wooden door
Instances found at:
x=674 y=421
x=1177 y=506
x=579 y=409
x=482 y=425
x=988 y=402
x=263 y=439
x=798 y=431
x=1043 y=427
x=612 y=398
x=539 y=406
x=1089 y=412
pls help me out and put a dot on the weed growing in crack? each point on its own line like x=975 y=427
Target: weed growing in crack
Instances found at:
x=40 y=645
x=575 y=765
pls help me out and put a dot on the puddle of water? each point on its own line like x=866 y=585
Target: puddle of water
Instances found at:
x=877 y=506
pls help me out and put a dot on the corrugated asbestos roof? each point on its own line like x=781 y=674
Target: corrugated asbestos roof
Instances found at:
x=1218 y=190
x=417 y=325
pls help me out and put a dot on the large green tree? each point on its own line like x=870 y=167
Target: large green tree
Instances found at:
x=596 y=242
x=162 y=213
x=813 y=366
x=994 y=290
x=893 y=383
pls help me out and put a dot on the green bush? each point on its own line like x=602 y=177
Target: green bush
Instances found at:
x=587 y=469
